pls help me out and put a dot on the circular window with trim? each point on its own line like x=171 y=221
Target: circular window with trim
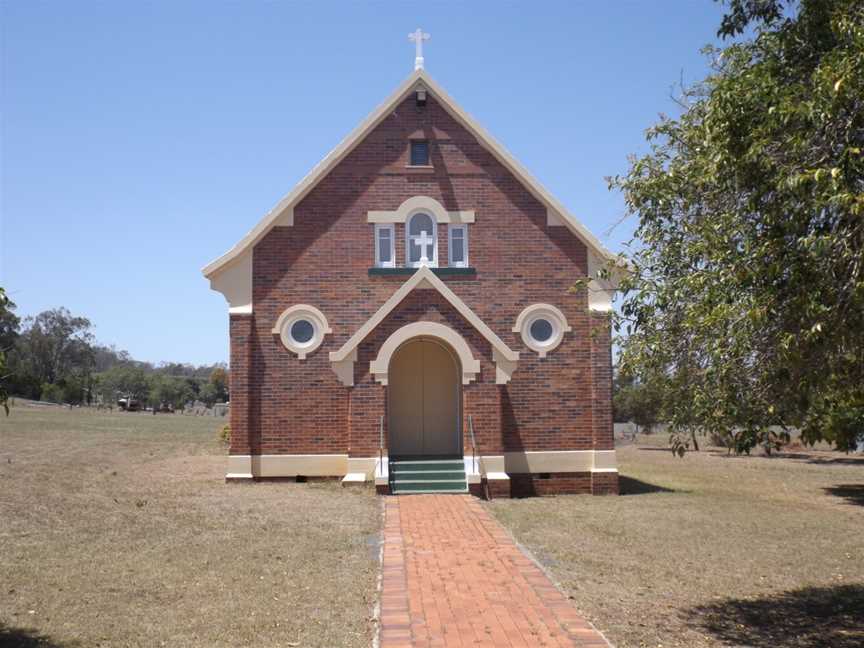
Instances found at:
x=302 y=329
x=542 y=327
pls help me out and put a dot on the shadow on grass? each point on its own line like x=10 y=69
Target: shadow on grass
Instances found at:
x=845 y=461
x=812 y=617
x=21 y=638
x=631 y=486
x=852 y=493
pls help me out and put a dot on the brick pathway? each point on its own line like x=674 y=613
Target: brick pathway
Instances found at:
x=453 y=577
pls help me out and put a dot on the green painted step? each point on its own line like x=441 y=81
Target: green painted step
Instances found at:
x=434 y=475
x=414 y=466
x=412 y=475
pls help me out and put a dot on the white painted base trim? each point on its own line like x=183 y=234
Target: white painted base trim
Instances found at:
x=493 y=466
x=551 y=461
x=354 y=478
x=330 y=465
x=497 y=476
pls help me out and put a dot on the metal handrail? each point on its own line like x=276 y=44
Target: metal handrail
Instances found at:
x=381 y=446
x=474 y=462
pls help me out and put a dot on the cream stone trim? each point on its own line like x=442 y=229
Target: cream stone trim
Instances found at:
x=421 y=277
x=326 y=465
x=363 y=469
x=494 y=466
x=605 y=460
x=289 y=316
x=381 y=364
x=504 y=367
x=417 y=205
x=344 y=369
x=560 y=461
x=600 y=291
x=553 y=219
x=529 y=314
x=239 y=467
x=418 y=80
x=235 y=284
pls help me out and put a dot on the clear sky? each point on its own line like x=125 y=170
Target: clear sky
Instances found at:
x=142 y=140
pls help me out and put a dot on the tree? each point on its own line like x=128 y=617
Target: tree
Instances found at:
x=55 y=345
x=746 y=285
x=169 y=390
x=640 y=402
x=219 y=381
x=9 y=323
x=123 y=381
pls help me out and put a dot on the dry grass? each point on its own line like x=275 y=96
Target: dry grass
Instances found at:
x=118 y=530
x=711 y=550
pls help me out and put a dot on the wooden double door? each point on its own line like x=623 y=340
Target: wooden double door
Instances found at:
x=424 y=400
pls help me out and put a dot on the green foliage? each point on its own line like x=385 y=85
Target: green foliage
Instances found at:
x=225 y=434
x=9 y=323
x=52 y=393
x=56 y=358
x=169 y=390
x=122 y=381
x=747 y=280
x=636 y=401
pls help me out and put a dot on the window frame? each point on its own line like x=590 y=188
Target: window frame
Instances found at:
x=453 y=227
x=289 y=317
x=433 y=262
x=411 y=144
x=535 y=312
x=389 y=227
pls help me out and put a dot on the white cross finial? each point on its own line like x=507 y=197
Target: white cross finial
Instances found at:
x=418 y=37
x=425 y=241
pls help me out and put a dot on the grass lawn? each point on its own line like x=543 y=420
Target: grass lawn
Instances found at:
x=710 y=550
x=117 y=529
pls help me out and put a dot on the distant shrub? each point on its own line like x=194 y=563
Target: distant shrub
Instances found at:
x=225 y=434
x=51 y=393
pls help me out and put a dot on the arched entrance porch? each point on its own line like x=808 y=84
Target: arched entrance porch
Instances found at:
x=424 y=400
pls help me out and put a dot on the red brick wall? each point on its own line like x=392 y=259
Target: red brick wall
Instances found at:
x=323 y=260
x=528 y=485
x=241 y=330
x=601 y=363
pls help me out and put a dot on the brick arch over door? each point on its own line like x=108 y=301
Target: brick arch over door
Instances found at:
x=380 y=366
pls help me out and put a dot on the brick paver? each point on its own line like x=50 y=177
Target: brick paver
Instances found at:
x=452 y=576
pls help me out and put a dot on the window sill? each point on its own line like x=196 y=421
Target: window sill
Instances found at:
x=446 y=271
x=419 y=168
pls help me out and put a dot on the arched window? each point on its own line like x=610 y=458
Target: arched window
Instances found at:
x=421 y=241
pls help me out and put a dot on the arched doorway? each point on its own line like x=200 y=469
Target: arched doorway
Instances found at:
x=424 y=400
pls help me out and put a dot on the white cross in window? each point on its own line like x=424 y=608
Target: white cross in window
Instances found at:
x=425 y=241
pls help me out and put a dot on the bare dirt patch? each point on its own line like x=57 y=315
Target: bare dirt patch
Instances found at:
x=710 y=550
x=119 y=530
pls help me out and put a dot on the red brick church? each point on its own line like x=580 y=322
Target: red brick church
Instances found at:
x=406 y=315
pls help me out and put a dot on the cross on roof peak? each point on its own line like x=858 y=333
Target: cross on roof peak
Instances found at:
x=418 y=36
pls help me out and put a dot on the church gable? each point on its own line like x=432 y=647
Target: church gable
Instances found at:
x=418 y=123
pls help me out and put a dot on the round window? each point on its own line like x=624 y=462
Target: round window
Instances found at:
x=302 y=332
x=542 y=327
x=302 y=329
x=541 y=330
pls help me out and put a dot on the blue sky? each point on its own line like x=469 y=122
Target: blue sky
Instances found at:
x=142 y=140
